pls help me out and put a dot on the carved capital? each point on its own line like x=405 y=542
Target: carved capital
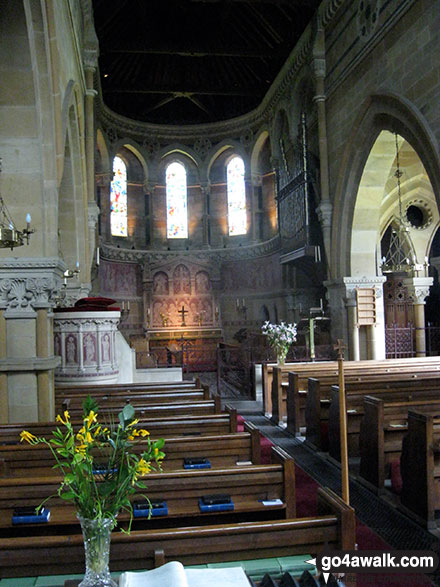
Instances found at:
x=319 y=67
x=418 y=288
x=92 y=214
x=324 y=211
x=29 y=284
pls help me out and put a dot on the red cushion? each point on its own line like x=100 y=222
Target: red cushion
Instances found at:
x=266 y=447
x=96 y=302
x=240 y=423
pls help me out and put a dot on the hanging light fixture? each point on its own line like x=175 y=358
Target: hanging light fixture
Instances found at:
x=397 y=258
x=10 y=236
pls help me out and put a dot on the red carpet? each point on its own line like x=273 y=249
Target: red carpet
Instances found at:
x=306 y=503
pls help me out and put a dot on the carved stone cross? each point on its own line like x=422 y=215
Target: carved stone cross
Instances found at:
x=183 y=312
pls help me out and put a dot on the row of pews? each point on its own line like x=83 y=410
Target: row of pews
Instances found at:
x=263 y=522
x=393 y=421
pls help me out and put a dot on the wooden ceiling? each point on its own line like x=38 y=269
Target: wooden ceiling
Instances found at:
x=193 y=61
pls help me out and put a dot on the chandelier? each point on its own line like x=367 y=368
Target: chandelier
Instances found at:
x=397 y=258
x=10 y=236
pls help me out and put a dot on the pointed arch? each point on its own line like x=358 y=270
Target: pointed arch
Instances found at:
x=379 y=112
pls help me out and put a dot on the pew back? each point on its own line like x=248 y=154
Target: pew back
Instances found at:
x=333 y=527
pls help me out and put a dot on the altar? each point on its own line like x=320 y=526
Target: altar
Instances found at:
x=193 y=348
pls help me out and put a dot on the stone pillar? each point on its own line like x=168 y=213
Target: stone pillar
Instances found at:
x=365 y=342
x=418 y=291
x=206 y=193
x=28 y=288
x=4 y=402
x=353 y=330
x=324 y=209
x=256 y=212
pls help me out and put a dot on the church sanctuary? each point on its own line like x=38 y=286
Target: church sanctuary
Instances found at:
x=219 y=293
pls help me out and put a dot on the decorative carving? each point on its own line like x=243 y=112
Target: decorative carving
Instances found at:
x=324 y=211
x=418 y=288
x=151 y=145
x=86 y=343
x=93 y=213
x=367 y=17
x=181 y=280
x=27 y=293
x=202 y=146
x=247 y=137
x=112 y=135
x=202 y=282
x=160 y=283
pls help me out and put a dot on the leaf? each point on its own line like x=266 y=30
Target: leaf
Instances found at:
x=127 y=414
x=67 y=495
x=159 y=443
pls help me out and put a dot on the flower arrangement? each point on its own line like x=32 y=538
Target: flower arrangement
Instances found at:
x=280 y=337
x=100 y=470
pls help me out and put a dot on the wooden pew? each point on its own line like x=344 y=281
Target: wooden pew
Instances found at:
x=420 y=468
x=119 y=399
x=135 y=386
x=383 y=427
x=319 y=403
x=222 y=451
x=333 y=527
x=367 y=420
x=222 y=423
x=156 y=410
x=248 y=485
x=328 y=371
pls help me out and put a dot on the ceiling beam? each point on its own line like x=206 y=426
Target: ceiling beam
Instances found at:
x=241 y=53
x=294 y=3
x=254 y=91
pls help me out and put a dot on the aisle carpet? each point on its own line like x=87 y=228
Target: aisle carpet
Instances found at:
x=366 y=539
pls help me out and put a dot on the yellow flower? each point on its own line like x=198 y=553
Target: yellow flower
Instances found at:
x=81 y=448
x=25 y=435
x=90 y=418
x=66 y=418
x=142 y=468
x=144 y=433
x=133 y=423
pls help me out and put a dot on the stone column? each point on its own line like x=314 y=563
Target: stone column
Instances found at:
x=256 y=212
x=324 y=209
x=365 y=342
x=418 y=291
x=4 y=402
x=206 y=193
x=353 y=330
x=28 y=288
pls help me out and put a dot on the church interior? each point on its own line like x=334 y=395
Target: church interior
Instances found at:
x=176 y=174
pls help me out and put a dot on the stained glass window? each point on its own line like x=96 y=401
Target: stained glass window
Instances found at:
x=236 y=197
x=177 y=212
x=118 y=198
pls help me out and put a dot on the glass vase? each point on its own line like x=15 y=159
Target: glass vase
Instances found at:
x=281 y=355
x=96 y=534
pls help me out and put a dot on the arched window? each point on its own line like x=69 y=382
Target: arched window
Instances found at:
x=118 y=198
x=177 y=212
x=236 y=197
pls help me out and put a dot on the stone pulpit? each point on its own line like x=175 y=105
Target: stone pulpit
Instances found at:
x=85 y=339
